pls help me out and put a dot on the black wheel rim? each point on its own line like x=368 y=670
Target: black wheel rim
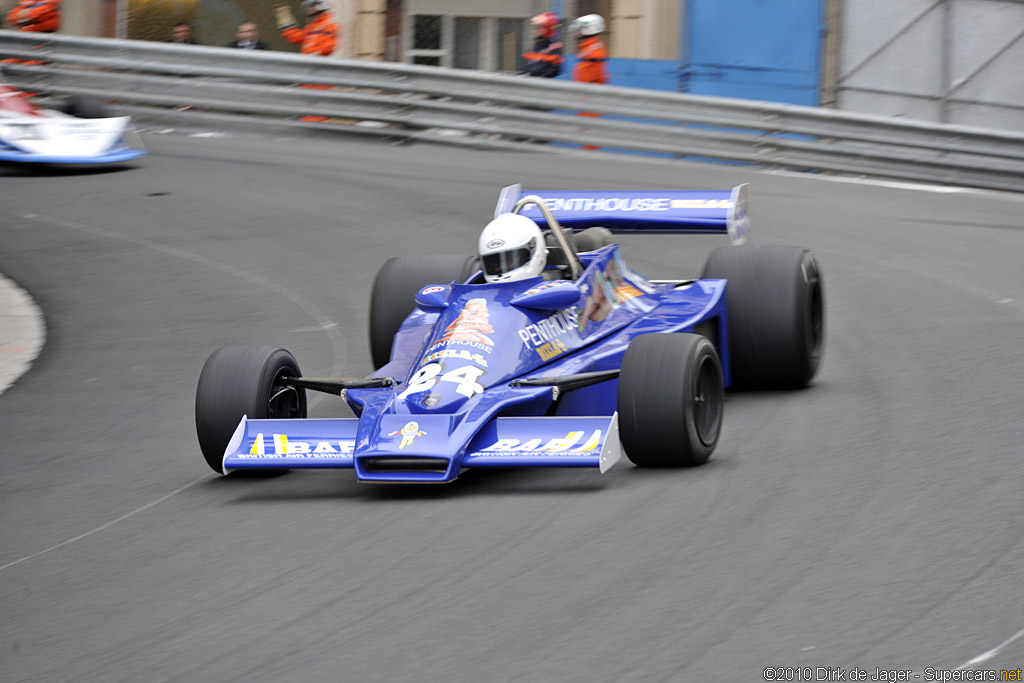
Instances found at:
x=707 y=402
x=283 y=402
x=817 y=313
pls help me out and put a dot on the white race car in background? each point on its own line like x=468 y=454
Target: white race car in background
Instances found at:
x=84 y=133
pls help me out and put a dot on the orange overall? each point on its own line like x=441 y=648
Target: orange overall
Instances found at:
x=318 y=37
x=591 y=67
x=35 y=15
x=591 y=61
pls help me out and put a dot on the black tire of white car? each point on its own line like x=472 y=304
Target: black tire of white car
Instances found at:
x=394 y=292
x=776 y=314
x=84 y=107
x=670 y=400
x=243 y=380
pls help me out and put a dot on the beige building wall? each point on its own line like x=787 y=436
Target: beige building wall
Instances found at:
x=362 y=29
x=645 y=29
x=367 y=41
x=82 y=18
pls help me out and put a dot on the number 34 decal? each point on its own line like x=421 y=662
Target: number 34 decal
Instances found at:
x=465 y=378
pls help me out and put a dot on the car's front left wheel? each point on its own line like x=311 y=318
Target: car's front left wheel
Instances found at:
x=243 y=380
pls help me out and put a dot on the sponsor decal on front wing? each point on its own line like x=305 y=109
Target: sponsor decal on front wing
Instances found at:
x=282 y=446
x=565 y=444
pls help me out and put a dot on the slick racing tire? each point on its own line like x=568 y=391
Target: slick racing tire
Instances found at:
x=776 y=314
x=394 y=291
x=85 y=108
x=670 y=400
x=243 y=380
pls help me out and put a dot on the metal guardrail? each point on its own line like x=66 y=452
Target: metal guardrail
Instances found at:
x=164 y=84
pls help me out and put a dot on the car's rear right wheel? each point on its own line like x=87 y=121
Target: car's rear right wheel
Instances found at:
x=776 y=313
x=670 y=400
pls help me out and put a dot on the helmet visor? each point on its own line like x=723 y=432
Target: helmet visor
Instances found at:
x=502 y=262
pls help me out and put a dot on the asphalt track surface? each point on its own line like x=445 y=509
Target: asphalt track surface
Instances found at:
x=872 y=520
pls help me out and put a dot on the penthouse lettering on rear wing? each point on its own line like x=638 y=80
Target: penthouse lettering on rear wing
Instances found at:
x=640 y=211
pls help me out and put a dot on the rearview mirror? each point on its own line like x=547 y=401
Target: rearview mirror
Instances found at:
x=433 y=296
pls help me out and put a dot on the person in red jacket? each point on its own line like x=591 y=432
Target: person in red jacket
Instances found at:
x=591 y=53
x=545 y=59
x=319 y=36
x=35 y=15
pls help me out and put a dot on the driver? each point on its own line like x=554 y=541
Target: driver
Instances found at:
x=512 y=248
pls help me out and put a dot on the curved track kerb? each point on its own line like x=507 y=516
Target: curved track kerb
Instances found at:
x=22 y=332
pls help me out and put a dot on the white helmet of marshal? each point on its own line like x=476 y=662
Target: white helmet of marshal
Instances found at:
x=512 y=248
x=318 y=5
x=589 y=24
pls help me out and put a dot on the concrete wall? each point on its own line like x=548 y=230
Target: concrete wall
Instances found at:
x=951 y=61
x=84 y=18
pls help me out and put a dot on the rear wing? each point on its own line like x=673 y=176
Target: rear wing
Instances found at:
x=632 y=211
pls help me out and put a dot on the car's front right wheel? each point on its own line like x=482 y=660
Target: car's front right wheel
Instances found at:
x=670 y=400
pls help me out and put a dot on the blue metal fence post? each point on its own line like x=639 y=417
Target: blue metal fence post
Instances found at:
x=685 y=10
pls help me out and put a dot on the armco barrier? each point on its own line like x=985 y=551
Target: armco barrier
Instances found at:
x=219 y=87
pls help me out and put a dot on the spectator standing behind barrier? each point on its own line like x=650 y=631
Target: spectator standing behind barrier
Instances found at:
x=248 y=35
x=320 y=35
x=181 y=33
x=545 y=59
x=591 y=56
x=591 y=53
x=42 y=16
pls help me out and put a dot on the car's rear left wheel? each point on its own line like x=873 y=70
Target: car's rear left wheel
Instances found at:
x=85 y=107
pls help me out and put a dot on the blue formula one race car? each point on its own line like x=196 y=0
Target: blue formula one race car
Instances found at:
x=568 y=368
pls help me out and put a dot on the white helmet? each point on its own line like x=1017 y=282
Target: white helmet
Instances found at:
x=589 y=25
x=318 y=5
x=512 y=248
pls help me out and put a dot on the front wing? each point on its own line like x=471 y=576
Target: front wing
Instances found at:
x=424 y=453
